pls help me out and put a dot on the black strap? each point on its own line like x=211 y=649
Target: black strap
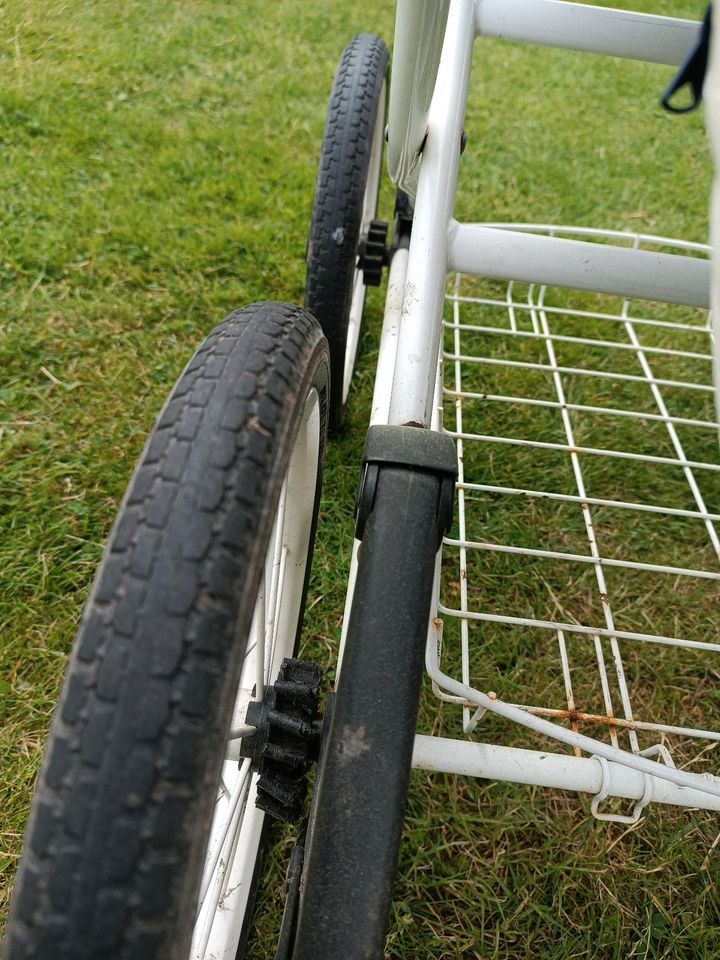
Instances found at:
x=692 y=71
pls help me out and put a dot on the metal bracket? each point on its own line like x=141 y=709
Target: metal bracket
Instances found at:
x=658 y=749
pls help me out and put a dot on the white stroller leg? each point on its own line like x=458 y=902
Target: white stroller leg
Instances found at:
x=711 y=95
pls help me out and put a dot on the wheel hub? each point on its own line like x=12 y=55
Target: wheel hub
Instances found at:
x=287 y=738
x=373 y=253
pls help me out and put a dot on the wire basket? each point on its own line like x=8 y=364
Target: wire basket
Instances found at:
x=581 y=582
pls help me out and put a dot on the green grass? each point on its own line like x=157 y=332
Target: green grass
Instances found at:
x=158 y=168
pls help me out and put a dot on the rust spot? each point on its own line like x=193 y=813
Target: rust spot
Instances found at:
x=576 y=717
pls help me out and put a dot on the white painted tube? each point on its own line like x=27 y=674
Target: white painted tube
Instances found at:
x=579 y=26
x=381 y=397
x=532 y=767
x=424 y=294
x=578 y=265
x=711 y=96
x=389 y=338
x=419 y=32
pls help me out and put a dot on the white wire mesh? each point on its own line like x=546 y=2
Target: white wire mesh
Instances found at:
x=582 y=579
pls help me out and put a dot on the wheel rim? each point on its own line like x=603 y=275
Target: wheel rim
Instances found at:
x=236 y=831
x=370 y=197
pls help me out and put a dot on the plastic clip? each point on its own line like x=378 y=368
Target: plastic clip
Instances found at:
x=692 y=71
x=602 y=794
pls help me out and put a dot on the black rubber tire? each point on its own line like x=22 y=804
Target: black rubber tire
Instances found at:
x=357 y=95
x=118 y=830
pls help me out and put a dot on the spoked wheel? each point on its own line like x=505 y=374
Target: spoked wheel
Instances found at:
x=198 y=598
x=233 y=858
x=342 y=238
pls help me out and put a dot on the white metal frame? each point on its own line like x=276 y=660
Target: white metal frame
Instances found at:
x=424 y=145
x=711 y=94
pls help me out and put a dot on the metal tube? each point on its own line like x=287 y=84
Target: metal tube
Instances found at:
x=709 y=785
x=389 y=337
x=711 y=94
x=601 y=268
x=381 y=397
x=575 y=26
x=420 y=327
x=582 y=774
x=419 y=32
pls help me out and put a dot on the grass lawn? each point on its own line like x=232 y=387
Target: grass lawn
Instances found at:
x=158 y=169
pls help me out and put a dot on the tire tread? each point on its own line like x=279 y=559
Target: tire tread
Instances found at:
x=337 y=209
x=121 y=789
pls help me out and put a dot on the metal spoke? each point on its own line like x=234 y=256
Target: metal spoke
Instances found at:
x=234 y=798
x=237 y=826
x=216 y=876
x=257 y=637
x=276 y=579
